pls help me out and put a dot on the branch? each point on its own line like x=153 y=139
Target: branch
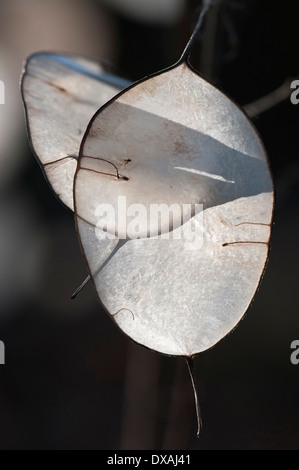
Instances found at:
x=267 y=102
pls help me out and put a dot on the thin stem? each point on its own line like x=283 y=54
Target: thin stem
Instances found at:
x=120 y=243
x=187 y=50
x=189 y=361
x=263 y=104
x=80 y=287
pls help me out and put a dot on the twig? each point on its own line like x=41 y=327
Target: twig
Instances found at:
x=205 y=7
x=259 y=106
x=86 y=280
x=189 y=361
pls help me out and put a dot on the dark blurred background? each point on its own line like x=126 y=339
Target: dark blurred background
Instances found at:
x=72 y=380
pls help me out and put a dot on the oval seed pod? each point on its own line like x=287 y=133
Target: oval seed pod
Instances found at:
x=173 y=195
x=60 y=94
x=173 y=200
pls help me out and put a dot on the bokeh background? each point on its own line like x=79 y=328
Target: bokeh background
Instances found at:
x=72 y=380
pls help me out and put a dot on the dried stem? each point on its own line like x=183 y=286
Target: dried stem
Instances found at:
x=187 y=50
x=74 y=295
x=189 y=361
x=263 y=104
x=120 y=243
